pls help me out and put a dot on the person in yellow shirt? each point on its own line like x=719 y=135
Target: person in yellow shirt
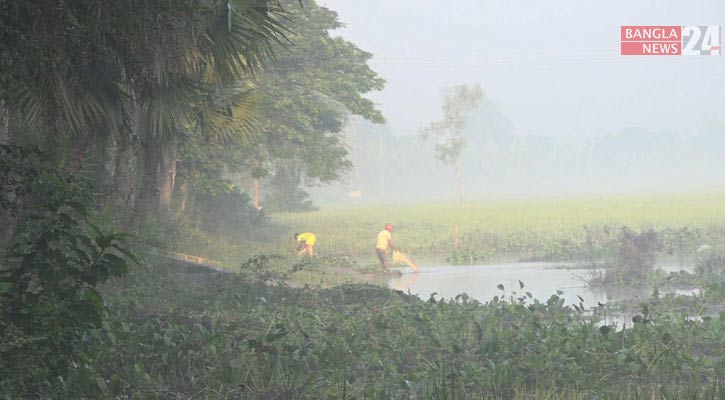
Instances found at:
x=384 y=241
x=305 y=243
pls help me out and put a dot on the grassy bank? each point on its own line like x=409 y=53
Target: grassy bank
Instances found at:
x=177 y=335
x=544 y=229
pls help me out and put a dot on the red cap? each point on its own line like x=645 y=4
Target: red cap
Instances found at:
x=389 y=227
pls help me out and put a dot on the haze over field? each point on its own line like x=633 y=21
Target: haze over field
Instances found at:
x=565 y=112
x=470 y=199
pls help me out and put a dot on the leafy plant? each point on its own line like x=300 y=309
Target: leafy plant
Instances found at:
x=228 y=337
x=260 y=268
x=48 y=280
x=711 y=273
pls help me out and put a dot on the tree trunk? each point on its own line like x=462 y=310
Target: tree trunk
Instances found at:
x=184 y=199
x=181 y=190
x=7 y=222
x=458 y=182
x=109 y=154
x=255 y=191
x=167 y=179
x=123 y=187
x=4 y=123
x=148 y=198
x=77 y=146
x=124 y=178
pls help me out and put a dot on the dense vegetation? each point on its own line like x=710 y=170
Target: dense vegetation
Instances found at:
x=177 y=108
x=131 y=127
x=50 y=272
x=146 y=117
x=171 y=334
x=161 y=332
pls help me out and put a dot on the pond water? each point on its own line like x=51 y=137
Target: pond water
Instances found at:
x=541 y=279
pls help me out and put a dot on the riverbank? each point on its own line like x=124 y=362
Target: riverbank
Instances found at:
x=175 y=334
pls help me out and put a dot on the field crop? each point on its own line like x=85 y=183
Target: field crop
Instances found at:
x=545 y=229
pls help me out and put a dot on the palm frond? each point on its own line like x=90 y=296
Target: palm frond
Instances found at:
x=174 y=64
x=241 y=39
x=59 y=105
x=229 y=112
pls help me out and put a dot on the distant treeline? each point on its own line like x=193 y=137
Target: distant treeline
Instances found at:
x=499 y=163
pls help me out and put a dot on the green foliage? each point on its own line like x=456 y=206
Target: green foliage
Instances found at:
x=134 y=79
x=469 y=256
x=163 y=233
x=710 y=266
x=260 y=269
x=309 y=92
x=230 y=214
x=458 y=103
x=222 y=336
x=285 y=192
x=204 y=164
x=18 y=173
x=710 y=272
x=218 y=205
x=302 y=104
x=269 y=269
x=48 y=279
x=74 y=67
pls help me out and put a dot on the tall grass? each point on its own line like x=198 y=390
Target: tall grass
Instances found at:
x=553 y=229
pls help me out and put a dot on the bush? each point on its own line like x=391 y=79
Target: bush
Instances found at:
x=710 y=267
x=48 y=280
x=17 y=177
x=637 y=257
x=709 y=271
x=229 y=214
x=286 y=193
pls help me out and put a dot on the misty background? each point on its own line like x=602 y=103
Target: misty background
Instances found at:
x=564 y=114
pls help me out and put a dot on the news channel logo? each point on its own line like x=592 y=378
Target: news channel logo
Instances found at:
x=671 y=40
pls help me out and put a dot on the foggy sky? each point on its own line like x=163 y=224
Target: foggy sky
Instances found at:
x=553 y=67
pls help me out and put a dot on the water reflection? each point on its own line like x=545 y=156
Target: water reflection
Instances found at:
x=541 y=279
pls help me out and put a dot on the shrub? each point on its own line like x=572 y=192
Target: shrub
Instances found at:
x=637 y=256
x=48 y=277
x=709 y=271
x=229 y=214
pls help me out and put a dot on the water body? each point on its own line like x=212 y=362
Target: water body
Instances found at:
x=541 y=279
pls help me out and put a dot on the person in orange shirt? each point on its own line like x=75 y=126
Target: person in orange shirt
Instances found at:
x=384 y=241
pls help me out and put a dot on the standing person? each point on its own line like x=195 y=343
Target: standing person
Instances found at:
x=381 y=248
x=305 y=243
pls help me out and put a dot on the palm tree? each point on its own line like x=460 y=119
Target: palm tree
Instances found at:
x=134 y=72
